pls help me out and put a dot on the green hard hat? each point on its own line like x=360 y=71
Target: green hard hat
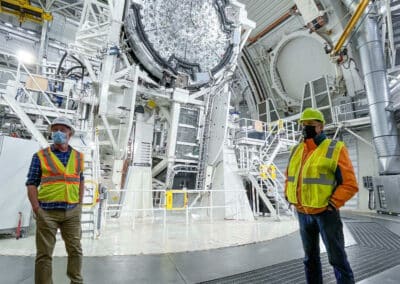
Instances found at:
x=312 y=114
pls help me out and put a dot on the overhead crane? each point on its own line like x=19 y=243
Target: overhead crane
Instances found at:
x=24 y=11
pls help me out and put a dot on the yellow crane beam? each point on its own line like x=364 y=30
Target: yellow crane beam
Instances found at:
x=24 y=11
x=350 y=25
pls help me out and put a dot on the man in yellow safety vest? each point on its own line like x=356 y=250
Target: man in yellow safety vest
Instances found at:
x=55 y=189
x=320 y=179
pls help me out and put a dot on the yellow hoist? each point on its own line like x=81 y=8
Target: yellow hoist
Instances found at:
x=24 y=11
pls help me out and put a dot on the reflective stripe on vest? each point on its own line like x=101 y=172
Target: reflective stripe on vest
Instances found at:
x=331 y=148
x=59 y=183
x=49 y=162
x=52 y=179
x=318 y=174
x=323 y=179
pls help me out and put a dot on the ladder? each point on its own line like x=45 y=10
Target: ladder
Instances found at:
x=91 y=194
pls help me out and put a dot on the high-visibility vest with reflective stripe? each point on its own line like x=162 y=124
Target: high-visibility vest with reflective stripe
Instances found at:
x=60 y=183
x=317 y=174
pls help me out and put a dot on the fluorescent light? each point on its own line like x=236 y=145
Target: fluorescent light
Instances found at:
x=25 y=57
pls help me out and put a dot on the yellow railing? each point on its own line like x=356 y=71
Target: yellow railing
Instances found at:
x=169 y=196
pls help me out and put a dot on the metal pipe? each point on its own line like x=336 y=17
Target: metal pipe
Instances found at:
x=368 y=42
x=43 y=47
x=132 y=106
x=273 y=25
x=350 y=25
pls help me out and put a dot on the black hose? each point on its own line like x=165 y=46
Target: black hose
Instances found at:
x=73 y=68
x=80 y=62
x=61 y=62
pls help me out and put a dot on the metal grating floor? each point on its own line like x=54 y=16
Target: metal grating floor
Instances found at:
x=377 y=249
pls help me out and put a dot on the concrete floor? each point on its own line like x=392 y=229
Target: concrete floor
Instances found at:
x=184 y=267
x=120 y=238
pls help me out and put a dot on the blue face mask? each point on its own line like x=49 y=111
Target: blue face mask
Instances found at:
x=59 y=137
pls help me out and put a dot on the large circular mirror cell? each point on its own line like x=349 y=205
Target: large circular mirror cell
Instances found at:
x=297 y=59
x=191 y=38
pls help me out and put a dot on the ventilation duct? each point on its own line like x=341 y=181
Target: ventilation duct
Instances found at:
x=370 y=47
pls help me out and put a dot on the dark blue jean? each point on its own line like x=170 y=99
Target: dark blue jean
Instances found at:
x=329 y=225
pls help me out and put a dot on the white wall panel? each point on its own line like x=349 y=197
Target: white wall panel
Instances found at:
x=15 y=158
x=367 y=166
x=351 y=144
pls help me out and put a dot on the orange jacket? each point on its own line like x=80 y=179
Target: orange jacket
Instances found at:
x=346 y=187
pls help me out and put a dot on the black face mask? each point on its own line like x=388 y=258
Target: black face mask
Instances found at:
x=309 y=131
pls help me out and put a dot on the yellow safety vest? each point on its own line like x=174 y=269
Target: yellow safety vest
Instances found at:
x=60 y=183
x=317 y=174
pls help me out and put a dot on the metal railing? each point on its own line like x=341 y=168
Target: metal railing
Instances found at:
x=23 y=92
x=22 y=74
x=259 y=130
x=152 y=214
x=351 y=110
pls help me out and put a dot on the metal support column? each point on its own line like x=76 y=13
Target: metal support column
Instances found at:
x=132 y=93
x=172 y=136
x=43 y=48
x=109 y=61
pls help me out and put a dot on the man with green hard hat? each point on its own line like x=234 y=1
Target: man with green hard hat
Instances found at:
x=320 y=179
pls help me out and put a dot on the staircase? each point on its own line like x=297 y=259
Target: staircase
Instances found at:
x=281 y=135
x=254 y=155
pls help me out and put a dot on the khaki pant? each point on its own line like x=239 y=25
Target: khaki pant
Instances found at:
x=47 y=222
